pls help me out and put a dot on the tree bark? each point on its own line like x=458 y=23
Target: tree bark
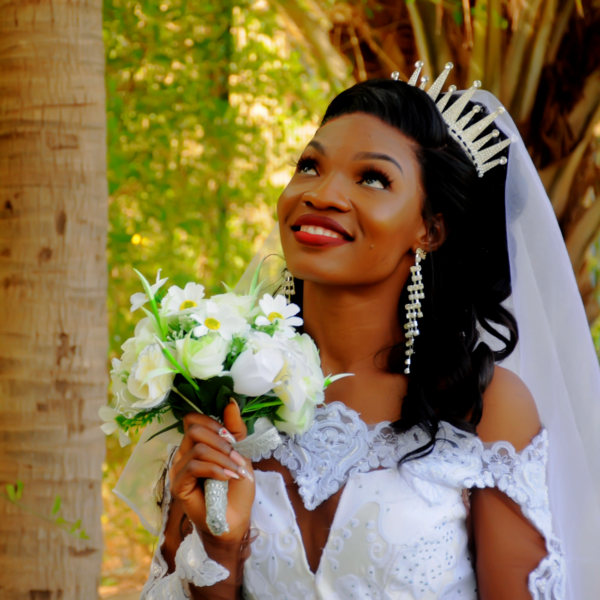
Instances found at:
x=53 y=330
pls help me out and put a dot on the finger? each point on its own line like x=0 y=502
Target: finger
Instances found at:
x=232 y=419
x=194 y=420
x=186 y=481
x=199 y=434
x=202 y=452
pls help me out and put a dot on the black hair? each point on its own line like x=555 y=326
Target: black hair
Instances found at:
x=466 y=279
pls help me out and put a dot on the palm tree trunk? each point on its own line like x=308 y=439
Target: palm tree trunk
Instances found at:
x=53 y=333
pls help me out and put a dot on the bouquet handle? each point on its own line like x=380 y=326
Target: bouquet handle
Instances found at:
x=263 y=441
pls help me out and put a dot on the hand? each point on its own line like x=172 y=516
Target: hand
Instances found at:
x=204 y=454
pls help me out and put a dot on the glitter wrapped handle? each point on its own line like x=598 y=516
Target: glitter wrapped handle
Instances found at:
x=264 y=439
x=215 y=493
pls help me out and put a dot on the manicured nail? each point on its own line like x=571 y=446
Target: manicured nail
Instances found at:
x=237 y=458
x=245 y=473
x=231 y=474
x=226 y=435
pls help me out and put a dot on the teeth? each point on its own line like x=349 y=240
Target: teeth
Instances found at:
x=321 y=231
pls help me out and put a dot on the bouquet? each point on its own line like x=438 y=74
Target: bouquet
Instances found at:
x=191 y=353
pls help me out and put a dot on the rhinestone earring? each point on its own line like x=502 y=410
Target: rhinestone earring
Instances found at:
x=289 y=287
x=413 y=309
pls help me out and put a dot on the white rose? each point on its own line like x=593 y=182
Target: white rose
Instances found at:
x=315 y=380
x=242 y=305
x=254 y=373
x=203 y=358
x=295 y=422
x=151 y=377
x=292 y=389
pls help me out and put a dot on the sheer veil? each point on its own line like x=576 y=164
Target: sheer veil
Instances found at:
x=555 y=357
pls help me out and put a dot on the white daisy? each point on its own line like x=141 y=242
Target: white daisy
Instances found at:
x=108 y=414
x=183 y=301
x=219 y=318
x=276 y=310
x=138 y=300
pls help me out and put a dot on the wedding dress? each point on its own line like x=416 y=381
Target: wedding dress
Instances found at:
x=399 y=533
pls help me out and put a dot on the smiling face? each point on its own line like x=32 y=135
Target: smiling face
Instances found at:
x=352 y=213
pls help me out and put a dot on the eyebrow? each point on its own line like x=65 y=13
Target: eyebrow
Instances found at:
x=377 y=156
x=318 y=147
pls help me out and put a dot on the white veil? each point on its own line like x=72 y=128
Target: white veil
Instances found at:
x=555 y=357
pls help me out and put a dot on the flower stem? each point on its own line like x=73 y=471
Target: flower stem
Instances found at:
x=175 y=364
x=254 y=407
x=188 y=401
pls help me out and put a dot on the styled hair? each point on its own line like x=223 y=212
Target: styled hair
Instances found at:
x=466 y=279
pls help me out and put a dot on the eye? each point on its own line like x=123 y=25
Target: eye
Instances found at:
x=307 y=166
x=375 y=179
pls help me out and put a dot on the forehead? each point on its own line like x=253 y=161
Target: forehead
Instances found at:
x=359 y=132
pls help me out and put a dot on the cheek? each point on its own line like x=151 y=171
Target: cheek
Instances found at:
x=397 y=220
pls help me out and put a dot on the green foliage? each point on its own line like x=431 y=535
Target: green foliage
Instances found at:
x=14 y=492
x=205 y=103
x=141 y=419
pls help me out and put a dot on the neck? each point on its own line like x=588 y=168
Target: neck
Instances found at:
x=353 y=325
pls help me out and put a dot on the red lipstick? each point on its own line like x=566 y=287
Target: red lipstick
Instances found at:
x=314 y=230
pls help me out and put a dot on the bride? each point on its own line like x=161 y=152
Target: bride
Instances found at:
x=461 y=459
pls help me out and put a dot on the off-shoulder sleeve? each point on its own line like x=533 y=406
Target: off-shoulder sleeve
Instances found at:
x=522 y=477
x=192 y=565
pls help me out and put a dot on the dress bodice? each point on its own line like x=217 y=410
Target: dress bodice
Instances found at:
x=399 y=533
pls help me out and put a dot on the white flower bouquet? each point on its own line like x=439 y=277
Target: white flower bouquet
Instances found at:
x=190 y=353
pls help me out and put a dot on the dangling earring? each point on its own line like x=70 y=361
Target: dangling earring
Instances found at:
x=289 y=287
x=413 y=310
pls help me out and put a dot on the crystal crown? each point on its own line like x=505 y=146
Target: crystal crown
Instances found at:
x=457 y=125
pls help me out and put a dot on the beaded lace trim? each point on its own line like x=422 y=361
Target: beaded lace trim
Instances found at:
x=192 y=564
x=340 y=445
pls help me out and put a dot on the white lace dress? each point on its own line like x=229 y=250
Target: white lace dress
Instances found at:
x=398 y=533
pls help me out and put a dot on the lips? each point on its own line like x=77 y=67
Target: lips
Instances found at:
x=314 y=230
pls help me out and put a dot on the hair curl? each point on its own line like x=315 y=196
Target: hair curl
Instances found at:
x=466 y=279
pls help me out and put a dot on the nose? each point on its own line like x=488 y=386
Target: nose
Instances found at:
x=329 y=195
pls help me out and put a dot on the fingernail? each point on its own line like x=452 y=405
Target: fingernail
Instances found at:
x=245 y=473
x=237 y=458
x=226 y=435
x=231 y=474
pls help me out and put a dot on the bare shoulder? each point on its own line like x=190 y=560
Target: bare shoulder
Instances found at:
x=509 y=411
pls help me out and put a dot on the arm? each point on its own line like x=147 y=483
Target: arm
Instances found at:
x=508 y=547
x=191 y=563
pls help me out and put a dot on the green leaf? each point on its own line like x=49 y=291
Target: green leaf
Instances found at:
x=57 y=505
x=145 y=285
x=83 y=535
x=19 y=490
x=173 y=426
x=255 y=286
x=75 y=526
x=10 y=490
x=255 y=407
x=59 y=521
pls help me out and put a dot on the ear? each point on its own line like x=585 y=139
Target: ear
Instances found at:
x=434 y=235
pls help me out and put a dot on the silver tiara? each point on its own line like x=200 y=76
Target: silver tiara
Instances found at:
x=465 y=136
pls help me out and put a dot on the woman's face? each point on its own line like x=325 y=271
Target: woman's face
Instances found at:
x=351 y=215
